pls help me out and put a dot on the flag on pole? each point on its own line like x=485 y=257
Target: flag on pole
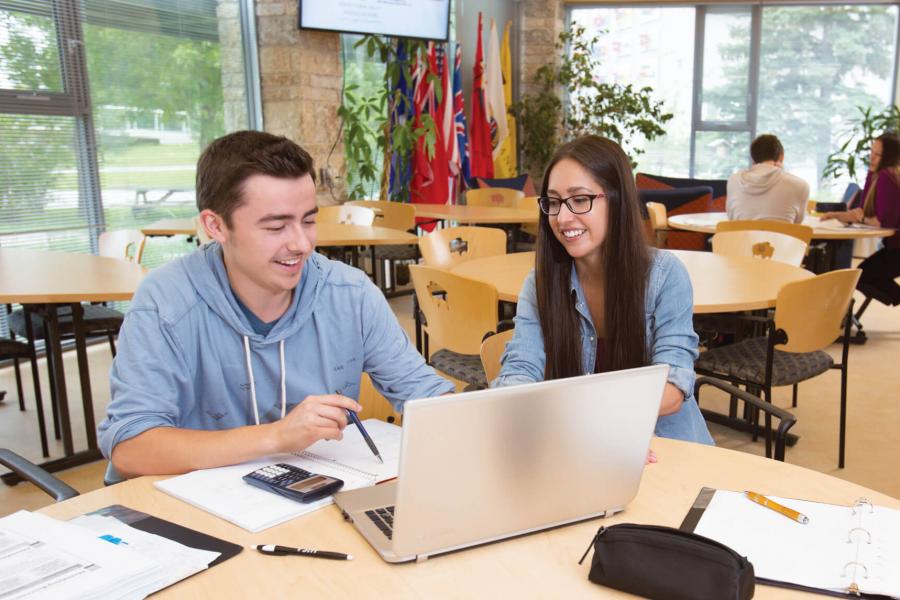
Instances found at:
x=461 y=156
x=430 y=174
x=401 y=112
x=481 y=162
x=505 y=164
x=448 y=133
x=494 y=98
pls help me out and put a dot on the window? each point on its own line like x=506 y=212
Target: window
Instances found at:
x=105 y=106
x=736 y=71
x=636 y=46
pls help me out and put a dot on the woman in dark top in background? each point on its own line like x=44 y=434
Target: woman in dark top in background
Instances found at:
x=879 y=205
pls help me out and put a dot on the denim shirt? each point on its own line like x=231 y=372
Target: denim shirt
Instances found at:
x=670 y=338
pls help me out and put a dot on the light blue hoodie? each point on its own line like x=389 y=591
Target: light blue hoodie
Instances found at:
x=187 y=353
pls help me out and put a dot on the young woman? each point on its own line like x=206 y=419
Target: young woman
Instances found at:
x=599 y=298
x=879 y=205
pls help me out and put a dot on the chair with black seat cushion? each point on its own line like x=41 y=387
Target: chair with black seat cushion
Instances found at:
x=459 y=313
x=809 y=315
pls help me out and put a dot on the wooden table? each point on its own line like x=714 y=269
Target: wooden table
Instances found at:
x=41 y=281
x=721 y=283
x=541 y=565
x=475 y=214
x=706 y=223
x=329 y=234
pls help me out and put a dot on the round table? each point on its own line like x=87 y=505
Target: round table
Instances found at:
x=721 y=283
x=541 y=565
x=706 y=223
x=329 y=234
x=476 y=214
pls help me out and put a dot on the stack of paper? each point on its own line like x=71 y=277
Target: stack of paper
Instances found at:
x=41 y=557
x=224 y=493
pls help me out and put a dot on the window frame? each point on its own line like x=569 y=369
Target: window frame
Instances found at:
x=698 y=125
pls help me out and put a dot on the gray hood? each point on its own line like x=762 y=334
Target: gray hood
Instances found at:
x=759 y=179
x=206 y=271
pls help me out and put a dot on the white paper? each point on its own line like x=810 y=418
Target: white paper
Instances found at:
x=816 y=554
x=224 y=493
x=61 y=561
x=177 y=561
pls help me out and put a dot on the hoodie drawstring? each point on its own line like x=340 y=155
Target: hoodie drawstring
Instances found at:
x=253 y=382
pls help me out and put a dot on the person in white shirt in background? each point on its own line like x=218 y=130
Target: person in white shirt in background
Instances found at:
x=766 y=191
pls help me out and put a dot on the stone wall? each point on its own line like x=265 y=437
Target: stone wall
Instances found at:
x=300 y=77
x=542 y=22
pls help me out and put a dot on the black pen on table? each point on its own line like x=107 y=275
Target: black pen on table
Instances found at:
x=273 y=550
x=365 y=434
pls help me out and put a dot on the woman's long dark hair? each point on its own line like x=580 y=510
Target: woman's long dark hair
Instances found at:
x=890 y=162
x=626 y=263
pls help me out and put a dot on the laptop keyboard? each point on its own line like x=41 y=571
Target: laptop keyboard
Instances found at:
x=383 y=519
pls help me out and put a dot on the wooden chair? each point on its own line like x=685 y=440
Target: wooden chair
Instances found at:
x=492 y=349
x=444 y=248
x=124 y=244
x=393 y=215
x=761 y=244
x=809 y=316
x=801 y=232
x=459 y=313
x=375 y=406
x=494 y=196
x=346 y=214
x=528 y=203
x=659 y=223
x=450 y=246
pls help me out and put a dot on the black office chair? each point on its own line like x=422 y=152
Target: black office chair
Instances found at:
x=29 y=471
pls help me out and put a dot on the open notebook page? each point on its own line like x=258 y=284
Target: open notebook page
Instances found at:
x=223 y=492
x=813 y=555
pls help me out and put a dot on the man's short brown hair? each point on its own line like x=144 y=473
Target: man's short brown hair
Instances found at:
x=230 y=160
x=766 y=147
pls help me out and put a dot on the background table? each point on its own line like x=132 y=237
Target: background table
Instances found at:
x=476 y=214
x=541 y=565
x=706 y=223
x=721 y=283
x=329 y=234
x=42 y=281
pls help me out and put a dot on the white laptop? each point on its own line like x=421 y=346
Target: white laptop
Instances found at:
x=487 y=465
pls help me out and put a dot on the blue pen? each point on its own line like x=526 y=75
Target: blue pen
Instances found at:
x=365 y=434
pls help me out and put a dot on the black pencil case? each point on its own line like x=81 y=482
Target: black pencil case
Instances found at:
x=666 y=563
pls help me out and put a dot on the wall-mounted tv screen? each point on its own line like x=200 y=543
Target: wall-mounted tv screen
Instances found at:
x=424 y=19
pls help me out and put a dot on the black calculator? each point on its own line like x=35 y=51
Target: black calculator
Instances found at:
x=293 y=482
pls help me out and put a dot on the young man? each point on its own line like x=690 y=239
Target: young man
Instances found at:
x=766 y=191
x=253 y=344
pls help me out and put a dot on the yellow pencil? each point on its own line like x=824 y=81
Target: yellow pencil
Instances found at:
x=788 y=512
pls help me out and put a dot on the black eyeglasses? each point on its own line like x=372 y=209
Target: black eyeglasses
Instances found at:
x=577 y=205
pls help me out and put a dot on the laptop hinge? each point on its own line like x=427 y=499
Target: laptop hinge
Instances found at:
x=420 y=558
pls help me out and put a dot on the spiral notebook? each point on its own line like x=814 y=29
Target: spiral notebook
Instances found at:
x=843 y=550
x=224 y=493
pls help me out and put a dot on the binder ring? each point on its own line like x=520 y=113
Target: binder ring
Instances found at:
x=860 y=503
x=864 y=530
x=857 y=564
